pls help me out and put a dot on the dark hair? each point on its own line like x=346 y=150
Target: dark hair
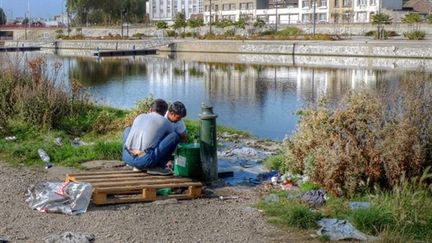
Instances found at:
x=178 y=108
x=159 y=106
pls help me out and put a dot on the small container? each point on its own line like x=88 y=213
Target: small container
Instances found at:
x=187 y=161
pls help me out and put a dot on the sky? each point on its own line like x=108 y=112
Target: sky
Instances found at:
x=38 y=8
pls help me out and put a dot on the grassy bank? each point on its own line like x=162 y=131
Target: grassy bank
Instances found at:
x=376 y=147
x=38 y=112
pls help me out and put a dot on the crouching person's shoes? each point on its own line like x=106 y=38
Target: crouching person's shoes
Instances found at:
x=159 y=171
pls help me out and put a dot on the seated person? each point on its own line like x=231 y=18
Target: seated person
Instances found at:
x=151 y=140
x=177 y=111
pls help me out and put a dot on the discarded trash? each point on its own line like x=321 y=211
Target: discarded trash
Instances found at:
x=167 y=201
x=3 y=240
x=337 y=229
x=228 y=198
x=271 y=198
x=58 y=141
x=70 y=237
x=314 y=198
x=274 y=180
x=45 y=158
x=77 y=142
x=164 y=191
x=55 y=197
x=11 y=138
x=357 y=205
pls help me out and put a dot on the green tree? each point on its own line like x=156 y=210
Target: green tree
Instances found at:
x=180 y=21
x=161 y=25
x=259 y=23
x=429 y=18
x=380 y=20
x=195 y=23
x=3 y=18
x=25 y=21
x=413 y=20
x=241 y=23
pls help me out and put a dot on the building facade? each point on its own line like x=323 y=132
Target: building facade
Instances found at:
x=166 y=10
x=274 y=11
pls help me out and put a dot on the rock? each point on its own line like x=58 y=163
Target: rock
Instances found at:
x=70 y=237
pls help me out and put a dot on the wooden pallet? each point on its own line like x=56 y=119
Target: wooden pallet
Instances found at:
x=127 y=186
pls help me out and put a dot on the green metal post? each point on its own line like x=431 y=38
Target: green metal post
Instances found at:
x=208 y=143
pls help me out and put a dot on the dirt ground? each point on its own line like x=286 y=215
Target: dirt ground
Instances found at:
x=200 y=220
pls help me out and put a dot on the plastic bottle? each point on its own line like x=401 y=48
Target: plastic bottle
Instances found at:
x=45 y=158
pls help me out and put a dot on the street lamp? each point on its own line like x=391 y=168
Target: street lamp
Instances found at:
x=314 y=16
x=276 y=6
x=210 y=21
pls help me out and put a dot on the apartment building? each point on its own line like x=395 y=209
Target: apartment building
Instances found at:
x=298 y=11
x=365 y=9
x=232 y=9
x=166 y=10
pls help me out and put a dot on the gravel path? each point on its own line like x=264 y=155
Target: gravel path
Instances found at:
x=200 y=220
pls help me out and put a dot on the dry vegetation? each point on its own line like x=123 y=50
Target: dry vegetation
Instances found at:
x=370 y=139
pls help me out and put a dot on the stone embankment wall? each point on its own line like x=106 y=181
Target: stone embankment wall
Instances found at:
x=393 y=49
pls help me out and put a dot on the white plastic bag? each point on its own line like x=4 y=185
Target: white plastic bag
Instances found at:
x=56 y=197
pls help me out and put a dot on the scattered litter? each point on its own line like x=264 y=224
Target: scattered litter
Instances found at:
x=58 y=141
x=228 y=198
x=45 y=158
x=357 y=205
x=271 y=198
x=11 y=138
x=245 y=151
x=78 y=143
x=337 y=229
x=274 y=180
x=314 y=198
x=55 y=197
x=70 y=237
x=167 y=201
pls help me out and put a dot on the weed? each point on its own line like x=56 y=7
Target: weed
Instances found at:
x=371 y=220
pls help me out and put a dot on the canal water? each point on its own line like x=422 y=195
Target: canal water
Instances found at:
x=261 y=99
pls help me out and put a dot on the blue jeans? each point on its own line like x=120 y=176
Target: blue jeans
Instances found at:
x=154 y=157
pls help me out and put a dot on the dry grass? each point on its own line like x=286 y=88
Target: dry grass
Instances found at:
x=370 y=139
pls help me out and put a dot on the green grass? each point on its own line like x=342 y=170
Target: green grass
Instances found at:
x=275 y=162
x=289 y=212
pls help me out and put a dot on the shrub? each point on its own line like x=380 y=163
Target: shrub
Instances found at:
x=142 y=106
x=429 y=18
x=415 y=35
x=373 y=220
x=171 y=33
x=230 y=32
x=195 y=23
x=138 y=35
x=275 y=162
x=161 y=25
x=224 y=23
x=290 y=31
x=259 y=23
x=369 y=139
x=59 y=33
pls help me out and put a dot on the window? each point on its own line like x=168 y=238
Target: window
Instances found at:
x=250 y=6
x=305 y=18
x=243 y=6
x=347 y=3
x=362 y=2
x=323 y=3
x=216 y=7
x=372 y=2
x=323 y=17
x=225 y=7
x=232 y=6
x=336 y=3
x=305 y=4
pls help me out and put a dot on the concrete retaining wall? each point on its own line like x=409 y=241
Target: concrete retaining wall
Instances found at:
x=393 y=49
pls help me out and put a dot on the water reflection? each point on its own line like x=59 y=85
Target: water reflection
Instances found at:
x=259 y=98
